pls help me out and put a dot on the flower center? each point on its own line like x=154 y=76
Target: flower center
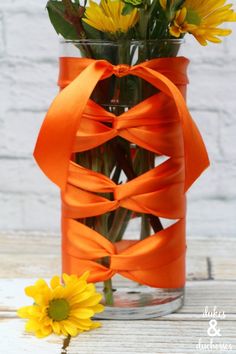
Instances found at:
x=59 y=309
x=193 y=17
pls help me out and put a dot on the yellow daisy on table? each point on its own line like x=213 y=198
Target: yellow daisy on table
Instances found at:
x=107 y=17
x=201 y=18
x=61 y=308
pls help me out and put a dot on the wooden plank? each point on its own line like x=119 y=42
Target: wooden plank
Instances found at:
x=211 y=247
x=26 y=257
x=198 y=295
x=44 y=265
x=223 y=268
x=128 y=337
x=210 y=293
x=196 y=268
x=43 y=243
x=29 y=243
x=29 y=265
x=32 y=255
x=200 y=254
x=14 y=340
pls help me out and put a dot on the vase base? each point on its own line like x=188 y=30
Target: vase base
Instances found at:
x=141 y=302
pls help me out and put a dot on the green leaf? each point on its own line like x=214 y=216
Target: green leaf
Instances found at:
x=63 y=26
x=91 y=32
x=127 y=9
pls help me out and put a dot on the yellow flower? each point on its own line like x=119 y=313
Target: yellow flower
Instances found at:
x=61 y=308
x=202 y=18
x=107 y=17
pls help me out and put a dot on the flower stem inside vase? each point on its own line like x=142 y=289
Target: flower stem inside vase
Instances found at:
x=108 y=293
x=119 y=159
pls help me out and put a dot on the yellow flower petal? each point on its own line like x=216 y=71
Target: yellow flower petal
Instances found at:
x=44 y=332
x=56 y=327
x=84 y=276
x=82 y=324
x=107 y=17
x=49 y=314
x=23 y=312
x=32 y=325
x=55 y=281
x=201 y=18
x=96 y=325
x=83 y=313
x=98 y=308
x=70 y=328
x=91 y=300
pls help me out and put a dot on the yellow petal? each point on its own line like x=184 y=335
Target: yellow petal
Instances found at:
x=90 y=301
x=83 y=313
x=98 y=308
x=55 y=281
x=32 y=326
x=175 y=31
x=96 y=325
x=43 y=332
x=23 y=312
x=180 y=17
x=56 y=327
x=70 y=328
x=84 y=276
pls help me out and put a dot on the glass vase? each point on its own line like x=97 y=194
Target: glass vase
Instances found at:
x=122 y=161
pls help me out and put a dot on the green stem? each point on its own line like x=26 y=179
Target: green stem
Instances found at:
x=108 y=292
x=119 y=224
x=145 y=227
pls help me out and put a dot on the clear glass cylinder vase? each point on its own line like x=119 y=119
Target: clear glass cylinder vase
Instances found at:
x=122 y=161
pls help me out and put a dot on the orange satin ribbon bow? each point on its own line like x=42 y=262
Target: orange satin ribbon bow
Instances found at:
x=161 y=124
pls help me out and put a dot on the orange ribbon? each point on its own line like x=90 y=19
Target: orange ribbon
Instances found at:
x=161 y=124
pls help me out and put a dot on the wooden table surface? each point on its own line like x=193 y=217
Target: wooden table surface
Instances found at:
x=211 y=274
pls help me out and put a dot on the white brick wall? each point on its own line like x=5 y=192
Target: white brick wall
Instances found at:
x=28 y=74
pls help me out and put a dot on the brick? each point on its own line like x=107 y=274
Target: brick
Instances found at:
x=35 y=36
x=11 y=207
x=29 y=68
x=227 y=177
x=29 y=212
x=217 y=182
x=230 y=48
x=42 y=212
x=212 y=88
x=22 y=5
x=227 y=135
x=206 y=186
x=20 y=133
x=211 y=218
x=209 y=124
x=5 y=87
x=31 y=86
x=2 y=39
x=198 y=54
x=23 y=176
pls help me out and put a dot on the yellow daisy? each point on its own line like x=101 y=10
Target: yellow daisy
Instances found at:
x=107 y=17
x=61 y=308
x=202 y=18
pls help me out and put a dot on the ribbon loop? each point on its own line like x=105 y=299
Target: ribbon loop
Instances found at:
x=161 y=124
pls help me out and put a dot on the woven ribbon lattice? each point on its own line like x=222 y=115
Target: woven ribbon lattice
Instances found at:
x=161 y=124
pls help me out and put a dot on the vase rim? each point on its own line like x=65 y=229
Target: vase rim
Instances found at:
x=121 y=42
